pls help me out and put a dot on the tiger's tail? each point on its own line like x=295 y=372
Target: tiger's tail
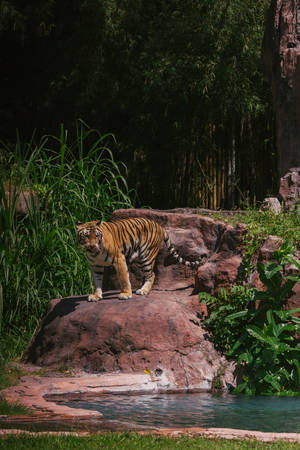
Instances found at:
x=172 y=251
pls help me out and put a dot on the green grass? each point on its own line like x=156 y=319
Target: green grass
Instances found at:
x=9 y=374
x=132 y=441
x=13 y=409
x=264 y=223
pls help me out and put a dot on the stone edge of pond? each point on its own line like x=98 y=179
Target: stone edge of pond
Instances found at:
x=33 y=392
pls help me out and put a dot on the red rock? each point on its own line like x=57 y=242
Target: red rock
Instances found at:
x=145 y=344
x=223 y=268
x=193 y=236
x=289 y=190
x=160 y=334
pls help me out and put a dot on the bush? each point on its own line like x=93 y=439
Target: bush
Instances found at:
x=219 y=308
x=261 y=336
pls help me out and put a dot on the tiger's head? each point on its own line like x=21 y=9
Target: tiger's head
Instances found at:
x=89 y=236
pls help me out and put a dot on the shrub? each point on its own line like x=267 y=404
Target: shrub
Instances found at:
x=219 y=308
x=267 y=350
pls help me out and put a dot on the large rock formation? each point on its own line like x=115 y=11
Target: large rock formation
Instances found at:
x=282 y=64
x=160 y=333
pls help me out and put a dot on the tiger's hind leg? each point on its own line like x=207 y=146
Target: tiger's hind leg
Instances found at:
x=146 y=288
x=149 y=277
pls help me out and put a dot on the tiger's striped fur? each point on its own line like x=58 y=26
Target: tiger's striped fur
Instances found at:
x=114 y=243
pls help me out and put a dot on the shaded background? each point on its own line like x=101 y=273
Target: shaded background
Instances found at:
x=179 y=84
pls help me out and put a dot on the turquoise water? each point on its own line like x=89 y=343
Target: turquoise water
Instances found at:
x=277 y=414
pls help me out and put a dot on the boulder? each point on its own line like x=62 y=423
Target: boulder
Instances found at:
x=159 y=334
x=271 y=204
x=289 y=190
x=223 y=268
x=281 y=54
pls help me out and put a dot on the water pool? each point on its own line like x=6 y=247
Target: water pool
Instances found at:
x=276 y=414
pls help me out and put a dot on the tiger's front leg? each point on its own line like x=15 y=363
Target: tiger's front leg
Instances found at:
x=123 y=275
x=97 y=273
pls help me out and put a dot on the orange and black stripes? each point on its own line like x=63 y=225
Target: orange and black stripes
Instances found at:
x=114 y=243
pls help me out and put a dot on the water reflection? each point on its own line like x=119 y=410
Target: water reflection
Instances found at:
x=202 y=410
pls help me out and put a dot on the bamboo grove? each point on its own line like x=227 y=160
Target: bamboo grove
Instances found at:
x=179 y=84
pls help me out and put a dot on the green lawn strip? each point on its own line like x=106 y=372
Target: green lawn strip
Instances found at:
x=132 y=441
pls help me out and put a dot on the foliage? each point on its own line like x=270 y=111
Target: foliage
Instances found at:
x=267 y=351
x=219 y=308
x=12 y=408
x=179 y=83
x=39 y=259
x=10 y=374
x=261 y=224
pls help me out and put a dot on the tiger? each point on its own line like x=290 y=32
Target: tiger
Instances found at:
x=126 y=240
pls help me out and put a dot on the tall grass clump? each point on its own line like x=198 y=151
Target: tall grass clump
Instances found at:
x=68 y=180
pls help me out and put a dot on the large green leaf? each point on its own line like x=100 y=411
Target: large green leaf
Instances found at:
x=240 y=388
x=285 y=327
x=272 y=380
x=236 y=315
x=261 y=295
x=257 y=333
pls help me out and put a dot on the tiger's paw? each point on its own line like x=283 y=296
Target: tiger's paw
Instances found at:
x=141 y=292
x=125 y=295
x=94 y=298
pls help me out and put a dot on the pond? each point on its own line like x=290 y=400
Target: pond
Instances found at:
x=275 y=414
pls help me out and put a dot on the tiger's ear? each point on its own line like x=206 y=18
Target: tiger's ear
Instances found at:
x=99 y=222
x=78 y=223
